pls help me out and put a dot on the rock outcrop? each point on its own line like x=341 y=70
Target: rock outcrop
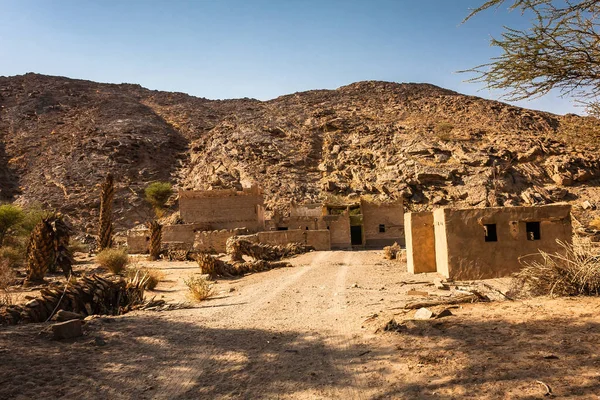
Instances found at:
x=59 y=137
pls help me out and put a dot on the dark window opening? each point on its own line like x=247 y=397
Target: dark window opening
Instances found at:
x=381 y=228
x=307 y=228
x=490 y=233
x=328 y=228
x=282 y=228
x=533 y=230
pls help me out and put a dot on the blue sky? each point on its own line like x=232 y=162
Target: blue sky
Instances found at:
x=254 y=48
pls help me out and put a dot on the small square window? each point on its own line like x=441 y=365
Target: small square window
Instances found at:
x=490 y=233
x=533 y=230
x=381 y=228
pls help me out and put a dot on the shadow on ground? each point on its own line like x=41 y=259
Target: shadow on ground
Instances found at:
x=497 y=359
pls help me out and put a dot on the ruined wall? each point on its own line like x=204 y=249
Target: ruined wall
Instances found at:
x=215 y=241
x=275 y=238
x=339 y=228
x=183 y=233
x=137 y=241
x=319 y=239
x=420 y=242
x=223 y=209
x=463 y=253
x=388 y=217
x=314 y=210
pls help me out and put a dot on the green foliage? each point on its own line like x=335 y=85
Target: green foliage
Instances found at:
x=558 y=51
x=157 y=194
x=32 y=216
x=13 y=256
x=115 y=260
x=10 y=217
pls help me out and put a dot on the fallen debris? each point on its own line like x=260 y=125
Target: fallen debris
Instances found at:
x=238 y=247
x=67 y=330
x=467 y=298
x=423 y=313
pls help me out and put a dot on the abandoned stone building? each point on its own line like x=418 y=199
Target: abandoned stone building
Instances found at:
x=363 y=223
x=211 y=217
x=465 y=244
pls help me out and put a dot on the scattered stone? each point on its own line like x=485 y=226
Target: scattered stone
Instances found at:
x=32 y=303
x=439 y=284
x=98 y=341
x=444 y=313
x=63 y=315
x=423 y=313
x=586 y=205
x=67 y=330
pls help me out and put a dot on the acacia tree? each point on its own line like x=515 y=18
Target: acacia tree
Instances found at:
x=560 y=50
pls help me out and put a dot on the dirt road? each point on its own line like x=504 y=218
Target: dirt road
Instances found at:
x=309 y=332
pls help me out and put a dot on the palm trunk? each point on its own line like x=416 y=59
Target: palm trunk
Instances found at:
x=106 y=199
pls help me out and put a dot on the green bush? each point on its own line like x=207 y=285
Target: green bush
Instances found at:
x=158 y=194
x=115 y=260
x=13 y=256
x=10 y=217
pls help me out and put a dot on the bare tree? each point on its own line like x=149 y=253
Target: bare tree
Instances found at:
x=560 y=50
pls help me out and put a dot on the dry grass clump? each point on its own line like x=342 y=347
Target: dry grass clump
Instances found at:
x=200 y=288
x=114 y=260
x=149 y=277
x=7 y=276
x=14 y=256
x=595 y=224
x=573 y=272
x=391 y=252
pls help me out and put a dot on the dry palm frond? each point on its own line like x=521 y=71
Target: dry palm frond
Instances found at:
x=572 y=272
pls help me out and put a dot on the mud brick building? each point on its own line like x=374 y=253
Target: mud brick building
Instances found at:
x=481 y=243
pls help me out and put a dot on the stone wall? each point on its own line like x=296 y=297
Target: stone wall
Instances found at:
x=183 y=233
x=215 y=241
x=223 y=209
x=420 y=242
x=314 y=210
x=489 y=242
x=383 y=224
x=137 y=241
x=339 y=228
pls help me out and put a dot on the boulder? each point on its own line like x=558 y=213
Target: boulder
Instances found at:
x=67 y=330
x=423 y=313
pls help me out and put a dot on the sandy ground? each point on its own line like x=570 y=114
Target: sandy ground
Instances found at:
x=313 y=332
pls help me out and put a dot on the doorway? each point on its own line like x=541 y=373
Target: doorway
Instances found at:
x=356 y=235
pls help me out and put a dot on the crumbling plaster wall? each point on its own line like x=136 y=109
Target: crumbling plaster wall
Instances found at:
x=339 y=228
x=420 y=242
x=390 y=215
x=462 y=252
x=215 y=241
x=223 y=209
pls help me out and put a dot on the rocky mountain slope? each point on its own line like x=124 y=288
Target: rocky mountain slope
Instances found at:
x=59 y=137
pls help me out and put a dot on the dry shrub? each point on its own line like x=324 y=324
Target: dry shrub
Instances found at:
x=114 y=259
x=595 y=224
x=7 y=277
x=77 y=246
x=200 y=288
x=391 y=252
x=149 y=277
x=13 y=255
x=574 y=272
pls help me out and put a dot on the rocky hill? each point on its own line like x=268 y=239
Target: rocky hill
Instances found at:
x=59 y=137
